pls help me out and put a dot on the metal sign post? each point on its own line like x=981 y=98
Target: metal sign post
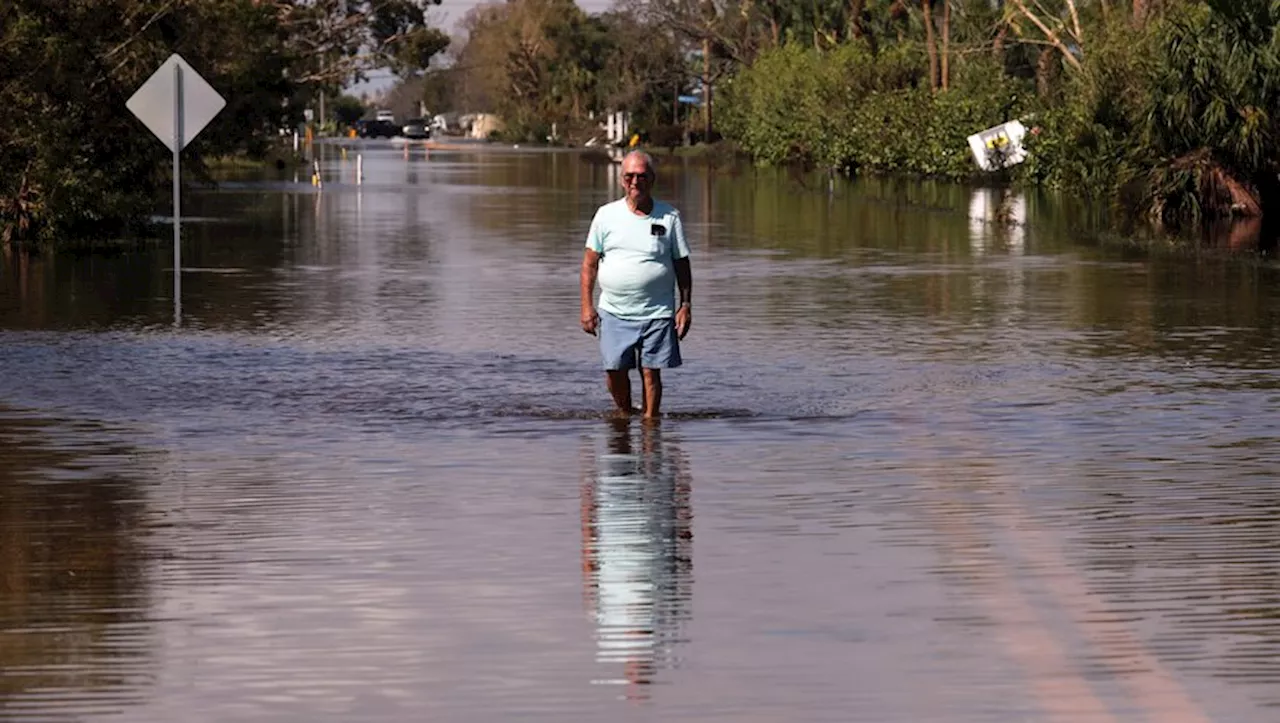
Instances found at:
x=178 y=145
x=176 y=104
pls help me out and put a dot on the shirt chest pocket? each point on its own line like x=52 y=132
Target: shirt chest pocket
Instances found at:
x=658 y=243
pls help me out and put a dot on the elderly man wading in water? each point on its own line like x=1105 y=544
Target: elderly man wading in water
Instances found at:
x=636 y=248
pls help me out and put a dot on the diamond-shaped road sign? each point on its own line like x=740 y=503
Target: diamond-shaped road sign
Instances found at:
x=153 y=103
x=176 y=104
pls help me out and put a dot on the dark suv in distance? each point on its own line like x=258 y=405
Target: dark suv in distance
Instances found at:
x=376 y=129
x=416 y=128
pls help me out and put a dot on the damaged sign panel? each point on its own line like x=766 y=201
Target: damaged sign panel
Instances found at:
x=999 y=147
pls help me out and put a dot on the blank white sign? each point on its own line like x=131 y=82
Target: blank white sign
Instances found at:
x=153 y=102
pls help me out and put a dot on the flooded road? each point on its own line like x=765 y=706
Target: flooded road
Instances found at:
x=923 y=463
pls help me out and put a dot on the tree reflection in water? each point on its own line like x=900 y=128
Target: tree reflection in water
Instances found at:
x=74 y=601
x=637 y=548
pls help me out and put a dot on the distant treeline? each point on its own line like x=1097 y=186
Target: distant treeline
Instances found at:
x=1164 y=107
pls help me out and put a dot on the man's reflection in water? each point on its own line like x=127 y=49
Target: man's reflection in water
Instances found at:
x=637 y=552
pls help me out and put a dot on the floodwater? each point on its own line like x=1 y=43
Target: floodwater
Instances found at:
x=935 y=455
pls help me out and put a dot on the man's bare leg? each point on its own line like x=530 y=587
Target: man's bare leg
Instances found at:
x=619 y=383
x=652 y=380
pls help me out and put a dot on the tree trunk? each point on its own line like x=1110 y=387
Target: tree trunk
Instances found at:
x=930 y=45
x=854 y=30
x=1044 y=72
x=706 y=90
x=1139 y=13
x=946 y=44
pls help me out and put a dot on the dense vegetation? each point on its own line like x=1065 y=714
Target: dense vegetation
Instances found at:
x=1167 y=107
x=75 y=163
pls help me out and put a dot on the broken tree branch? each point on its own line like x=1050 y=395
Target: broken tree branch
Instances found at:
x=1052 y=37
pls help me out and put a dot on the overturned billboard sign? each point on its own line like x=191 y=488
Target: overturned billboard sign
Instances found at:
x=999 y=147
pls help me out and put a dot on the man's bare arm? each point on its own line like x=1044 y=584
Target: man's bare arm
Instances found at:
x=590 y=266
x=684 y=282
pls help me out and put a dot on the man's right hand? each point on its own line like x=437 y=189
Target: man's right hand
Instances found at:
x=590 y=320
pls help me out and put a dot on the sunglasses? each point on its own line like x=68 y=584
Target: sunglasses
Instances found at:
x=634 y=176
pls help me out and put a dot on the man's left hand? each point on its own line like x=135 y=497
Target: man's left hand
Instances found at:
x=684 y=320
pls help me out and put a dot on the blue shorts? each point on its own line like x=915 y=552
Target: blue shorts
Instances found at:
x=655 y=339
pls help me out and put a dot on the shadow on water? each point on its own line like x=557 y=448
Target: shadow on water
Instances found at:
x=73 y=597
x=611 y=415
x=637 y=552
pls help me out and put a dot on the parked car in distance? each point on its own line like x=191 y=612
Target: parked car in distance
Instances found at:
x=446 y=123
x=376 y=129
x=416 y=128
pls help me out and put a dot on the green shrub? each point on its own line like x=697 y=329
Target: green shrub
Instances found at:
x=1089 y=139
x=798 y=104
x=1211 y=124
x=850 y=110
x=1176 y=119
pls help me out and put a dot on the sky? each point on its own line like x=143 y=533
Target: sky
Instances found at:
x=447 y=16
x=453 y=10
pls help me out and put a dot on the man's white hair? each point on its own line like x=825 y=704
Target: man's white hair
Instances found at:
x=648 y=160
